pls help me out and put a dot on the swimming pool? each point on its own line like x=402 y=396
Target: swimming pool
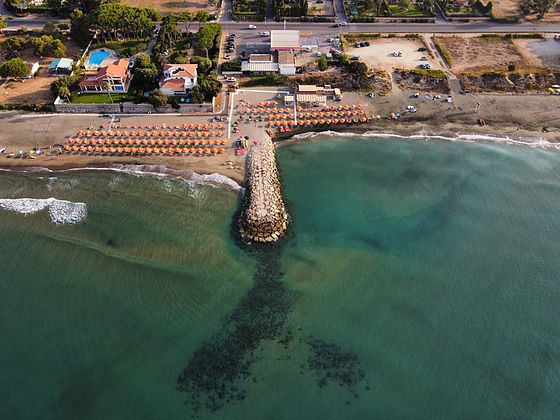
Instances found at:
x=97 y=57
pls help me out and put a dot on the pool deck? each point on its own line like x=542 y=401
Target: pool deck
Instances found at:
x=106 y=61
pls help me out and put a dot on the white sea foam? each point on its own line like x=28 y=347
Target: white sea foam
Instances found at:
x=60 y=211
x=534 y=142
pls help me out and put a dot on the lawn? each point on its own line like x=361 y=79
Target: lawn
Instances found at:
x=125 y=48
x=100 y=98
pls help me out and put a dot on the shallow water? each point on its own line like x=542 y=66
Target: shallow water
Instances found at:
x=419 y=280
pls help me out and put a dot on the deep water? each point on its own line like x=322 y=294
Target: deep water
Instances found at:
x=419 y=279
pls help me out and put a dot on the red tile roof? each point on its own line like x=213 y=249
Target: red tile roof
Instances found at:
x=173 y=84
x=189 y=70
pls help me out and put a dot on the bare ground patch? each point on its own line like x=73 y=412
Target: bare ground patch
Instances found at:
x=475 y=54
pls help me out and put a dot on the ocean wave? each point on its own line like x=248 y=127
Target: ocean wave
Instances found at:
x=61 y=212
x=535 y=142
x=215 y=179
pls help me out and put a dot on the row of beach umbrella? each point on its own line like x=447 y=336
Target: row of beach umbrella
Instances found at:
x=206 y=126
x=141 y=133
x=315 y=122
x=145 y=142
x=144 y=150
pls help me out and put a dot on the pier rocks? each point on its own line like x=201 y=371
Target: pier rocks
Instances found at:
x=263 y=215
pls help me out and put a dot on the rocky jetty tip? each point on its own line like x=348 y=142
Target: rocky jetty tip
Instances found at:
x=263 y=215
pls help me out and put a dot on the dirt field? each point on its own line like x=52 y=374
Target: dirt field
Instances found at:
x=175 y=6
x=506 y=9
x=509 y=9
x=477 y=54
x=321 y=9
x=540 y=52
x=379 y=55
x=36 y=89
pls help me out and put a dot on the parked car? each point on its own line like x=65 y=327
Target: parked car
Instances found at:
x=330 y=40
x=252 y=27
x=231 y=79
x=367 y=43
x=422 y=49
x=343 y=23
x=266 y=33
x=357 y=45
x=362 y=44
x=397 y=54
x=355 y=58
x=230 y=50
x=319 y=54
x=424 y=59
x=227 y=57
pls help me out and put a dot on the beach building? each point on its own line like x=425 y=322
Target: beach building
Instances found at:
x=285 y=40
x=177 y=79
x=316 y=95
x=260 y=63
x=286 y=62
x=60 y=66
x=117 y=75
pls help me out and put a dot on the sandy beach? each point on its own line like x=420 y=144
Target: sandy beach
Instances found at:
x=531 y=118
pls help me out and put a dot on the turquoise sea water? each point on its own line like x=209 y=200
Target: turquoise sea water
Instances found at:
x=419 y=280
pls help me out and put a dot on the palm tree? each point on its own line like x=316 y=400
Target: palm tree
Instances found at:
x=106 y=87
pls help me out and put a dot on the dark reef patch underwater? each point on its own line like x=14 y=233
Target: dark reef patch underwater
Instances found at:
x=215 y=373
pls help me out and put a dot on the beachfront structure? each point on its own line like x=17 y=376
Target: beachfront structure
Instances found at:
x=286 y=62
x=177 y=79
x=317 y=95
x=285 y=40
x=282 y=62
x=260 y=63
x=60 y=66
x=116 y=75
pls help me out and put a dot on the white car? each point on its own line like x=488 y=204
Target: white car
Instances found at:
x=319 y=54
x=343 y=23
x=252 y=27
x=227 y=57
x=231 y=79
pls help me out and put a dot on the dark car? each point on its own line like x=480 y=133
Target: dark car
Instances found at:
x=367 y=43
x=362 y=44
x=355 y=58
x=422 y=49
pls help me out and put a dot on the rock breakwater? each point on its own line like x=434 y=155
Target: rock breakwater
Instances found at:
x=263 y=215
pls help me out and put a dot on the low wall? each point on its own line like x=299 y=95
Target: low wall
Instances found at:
x=87 y=108
x=129 y=108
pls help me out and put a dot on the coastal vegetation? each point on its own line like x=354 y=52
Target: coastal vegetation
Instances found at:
x=368 y=10
x=250 y=10
x=14 y=67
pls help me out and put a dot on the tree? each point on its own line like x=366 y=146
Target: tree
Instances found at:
x=196 y=95
x=107 y=87
x=157 y=98
x=186 y=17
x=210 y=86
x=10 y=46
x=49 y=28
x=204 y=64
x=343 y=60
x=14 y=67
x=358 y=67
x=206 y=35
x=202 y=16
x=427 y=5
x=146 y=78
x=405 y=4
x=47 y=45
x=3 y=24
x=64 y=92
x=322 y=63
x=70 y=82
x=540 y=7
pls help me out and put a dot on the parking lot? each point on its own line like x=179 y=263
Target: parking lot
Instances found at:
x=379 y=55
